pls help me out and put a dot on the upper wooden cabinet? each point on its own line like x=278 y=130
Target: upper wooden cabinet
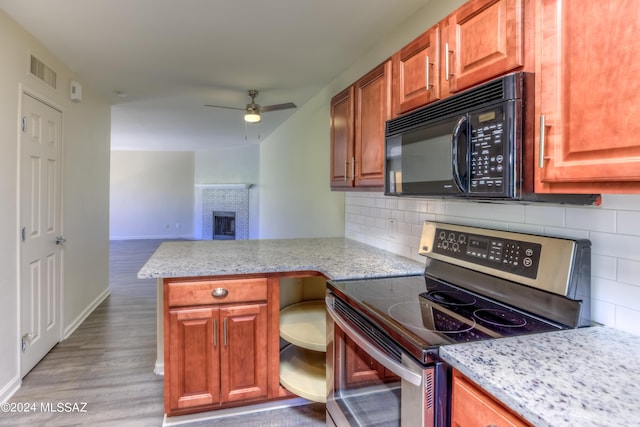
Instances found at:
x=358 y=116
x=342 y=142
x=588 y=91
x=416 y=72
x=482 y=39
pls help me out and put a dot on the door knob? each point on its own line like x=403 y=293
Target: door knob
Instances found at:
x=60 y=240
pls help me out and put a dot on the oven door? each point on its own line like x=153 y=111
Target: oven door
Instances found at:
x=368 y=386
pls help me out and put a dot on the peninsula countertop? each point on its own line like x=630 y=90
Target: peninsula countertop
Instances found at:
x=579 y=377
x=337 y=258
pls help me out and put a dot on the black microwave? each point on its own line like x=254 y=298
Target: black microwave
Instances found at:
x=476 y=145
x=468 y=145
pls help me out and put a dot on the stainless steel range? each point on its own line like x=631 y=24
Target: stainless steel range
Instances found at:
x=384 y=334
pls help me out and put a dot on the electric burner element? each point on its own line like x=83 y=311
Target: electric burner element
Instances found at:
x=422 y=317
x=456 y=298
x=503 y=318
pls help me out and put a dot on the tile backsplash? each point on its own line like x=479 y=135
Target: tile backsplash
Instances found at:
x=395 y=224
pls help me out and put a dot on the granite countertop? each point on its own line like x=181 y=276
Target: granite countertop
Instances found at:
x=579 y=377
x=336 y=258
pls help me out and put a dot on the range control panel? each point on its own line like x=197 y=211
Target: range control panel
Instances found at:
x=511 y=256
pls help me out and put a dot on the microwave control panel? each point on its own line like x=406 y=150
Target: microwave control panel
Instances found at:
x=489 y=163
x=511 y=256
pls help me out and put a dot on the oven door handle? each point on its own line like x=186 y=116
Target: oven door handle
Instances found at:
x=389 y=363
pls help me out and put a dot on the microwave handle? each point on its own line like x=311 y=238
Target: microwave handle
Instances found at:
x=455 y=137
x=396 y=367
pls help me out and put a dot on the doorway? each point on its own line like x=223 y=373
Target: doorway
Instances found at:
x=41 y=242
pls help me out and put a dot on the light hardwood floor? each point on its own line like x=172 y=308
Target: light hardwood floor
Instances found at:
x=108 y=362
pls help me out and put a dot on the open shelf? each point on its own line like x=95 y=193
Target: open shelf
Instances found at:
x=302 y=372
x=304 y=325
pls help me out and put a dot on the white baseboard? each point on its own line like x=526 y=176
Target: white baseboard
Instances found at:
x=156 y=237
x=10 y=389
x=85 y=313
x=159 y=368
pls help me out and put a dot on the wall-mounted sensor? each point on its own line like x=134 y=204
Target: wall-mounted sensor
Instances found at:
x=75 y=91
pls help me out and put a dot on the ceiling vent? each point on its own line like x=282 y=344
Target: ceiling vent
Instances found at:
x=43 y=72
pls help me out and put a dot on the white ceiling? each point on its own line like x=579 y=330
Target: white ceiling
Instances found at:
x=170 y=57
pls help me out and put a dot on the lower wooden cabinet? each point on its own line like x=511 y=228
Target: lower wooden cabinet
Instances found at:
x=218 y=350
x=473 y=407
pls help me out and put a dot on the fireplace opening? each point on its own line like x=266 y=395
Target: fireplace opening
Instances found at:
x=224 y=225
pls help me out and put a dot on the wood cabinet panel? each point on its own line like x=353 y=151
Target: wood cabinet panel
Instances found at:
x=242 y=361
x=416 y=72
x=472 y=407
x=224 y=353
x=587 y=96
x=195 y=372
x=358 y=116
x=484 y=39
x=373 y=109
x=185 y=293
x=342 y=139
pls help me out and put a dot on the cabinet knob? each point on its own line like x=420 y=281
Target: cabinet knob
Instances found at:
x=219 y=293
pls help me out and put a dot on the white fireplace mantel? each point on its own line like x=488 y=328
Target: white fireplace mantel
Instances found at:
x=223 y=186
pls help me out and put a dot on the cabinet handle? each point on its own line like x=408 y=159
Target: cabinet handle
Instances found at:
x=225 y=331
x=215 y=333
x=426 y=74
x=541 y=147
x=219 y=293
x=346 y=177
x=353 y=168
x=446 y=61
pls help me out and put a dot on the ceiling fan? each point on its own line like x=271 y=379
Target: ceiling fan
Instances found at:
x=252 y=110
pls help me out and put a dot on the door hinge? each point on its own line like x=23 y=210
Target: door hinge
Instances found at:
x=23 y=233
x=24 y=124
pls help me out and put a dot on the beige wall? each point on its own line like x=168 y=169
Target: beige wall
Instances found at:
x=86 y=129
x=295 y=199
x=151 y=194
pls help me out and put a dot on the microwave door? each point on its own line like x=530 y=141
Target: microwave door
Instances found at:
x=422 y=161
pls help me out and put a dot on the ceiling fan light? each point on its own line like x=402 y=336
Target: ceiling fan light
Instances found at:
x=251 y=117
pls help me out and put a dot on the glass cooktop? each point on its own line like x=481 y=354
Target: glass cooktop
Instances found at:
x=421 y=313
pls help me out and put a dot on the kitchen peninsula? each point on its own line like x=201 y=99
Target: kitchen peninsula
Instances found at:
x=219 y=305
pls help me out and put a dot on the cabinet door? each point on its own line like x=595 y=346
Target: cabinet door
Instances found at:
x=416 y=72
x=243 y=356
x=342 y=168
x=193 y=369
x=471 y=407
x=484 y=39
x=373 y=109
x=588 y=93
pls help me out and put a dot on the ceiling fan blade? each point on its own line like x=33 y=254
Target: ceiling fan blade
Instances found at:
x=222 y=106
x=276 y=107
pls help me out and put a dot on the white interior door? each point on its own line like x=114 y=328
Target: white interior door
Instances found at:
x=40 y=234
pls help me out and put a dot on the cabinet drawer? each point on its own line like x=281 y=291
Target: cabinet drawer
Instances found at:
x=229 y=291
